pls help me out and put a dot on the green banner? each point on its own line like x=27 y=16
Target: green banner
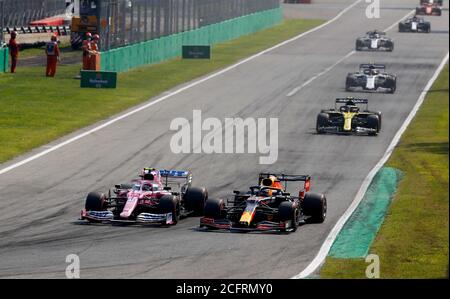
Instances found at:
x=4 y=57
x=196 y=52
x=98 y=79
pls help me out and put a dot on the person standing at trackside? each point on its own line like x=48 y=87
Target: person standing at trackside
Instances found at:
x=52 y=51
x=86 y=50
x=13 y=51
x=94 y=48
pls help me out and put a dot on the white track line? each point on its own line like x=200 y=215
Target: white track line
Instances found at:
x=323 y=252
x=297 y=89
x=165 y=97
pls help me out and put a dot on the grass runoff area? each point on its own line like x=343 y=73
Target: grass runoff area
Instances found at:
x=413 y=242
x=36 y=110
x=40 y=51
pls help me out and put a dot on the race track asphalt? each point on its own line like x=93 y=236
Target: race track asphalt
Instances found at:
x=41 y=200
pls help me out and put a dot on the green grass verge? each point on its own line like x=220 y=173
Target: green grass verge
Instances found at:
x=413 y=242
x=33 y=52
x=36 y=110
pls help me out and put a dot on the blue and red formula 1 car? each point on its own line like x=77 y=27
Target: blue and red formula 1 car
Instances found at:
x=267 y=206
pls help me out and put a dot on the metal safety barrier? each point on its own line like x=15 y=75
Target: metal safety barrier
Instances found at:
x=61 y=30
x=130 y=22
x=22 y=12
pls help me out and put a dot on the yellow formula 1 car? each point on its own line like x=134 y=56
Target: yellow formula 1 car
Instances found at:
x=349 y=118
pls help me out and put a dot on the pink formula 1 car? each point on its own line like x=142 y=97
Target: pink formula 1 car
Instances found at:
x=429 y=9
x=157 y=197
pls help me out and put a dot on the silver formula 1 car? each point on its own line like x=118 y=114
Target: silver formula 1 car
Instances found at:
x=436 y=2
x=374 y=41
x=414 y=24
x=371 y=77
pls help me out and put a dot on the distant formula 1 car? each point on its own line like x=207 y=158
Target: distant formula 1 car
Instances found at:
x=267 y=207
x=375 y=40
x=349 y=118
x=371 y=77
x=436 y=2
x=429 y=10
x=158 y=197
x=414 y=24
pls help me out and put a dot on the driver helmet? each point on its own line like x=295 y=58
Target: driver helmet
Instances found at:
x=344 y=108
